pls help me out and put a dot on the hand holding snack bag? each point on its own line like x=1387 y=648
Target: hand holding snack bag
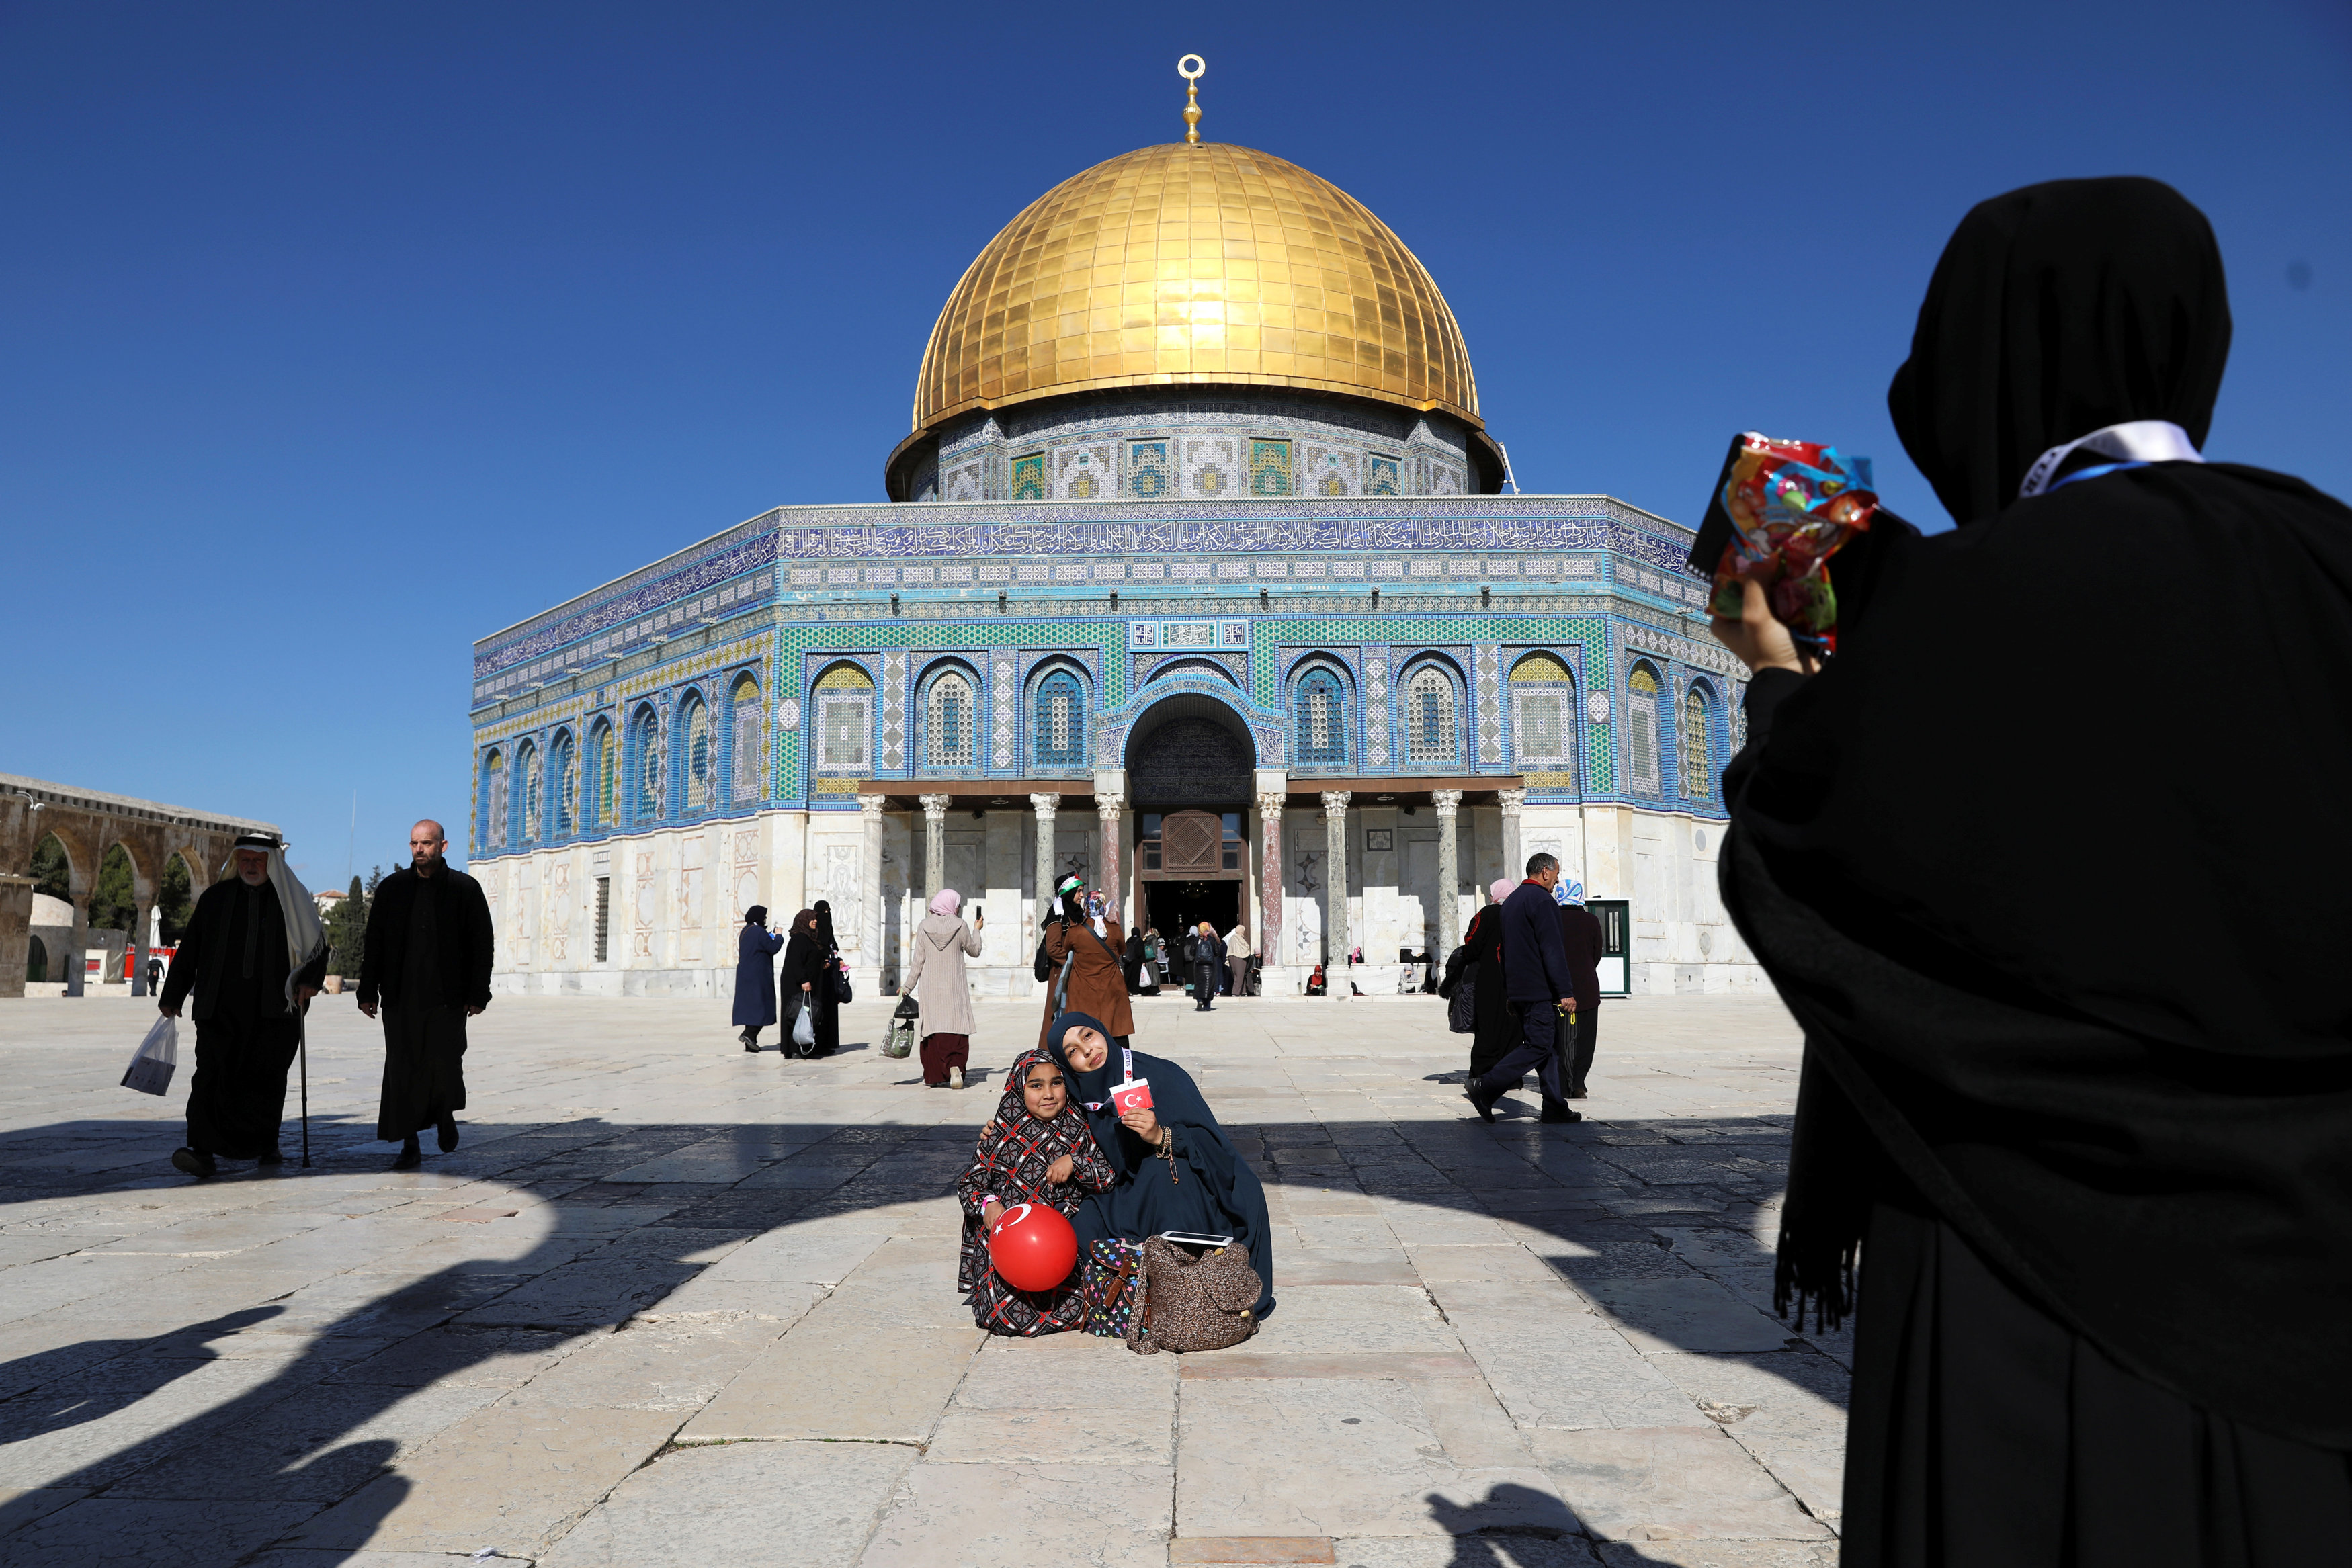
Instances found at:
x=1779 y=510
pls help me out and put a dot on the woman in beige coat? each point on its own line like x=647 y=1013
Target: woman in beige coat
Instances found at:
x=935 y=978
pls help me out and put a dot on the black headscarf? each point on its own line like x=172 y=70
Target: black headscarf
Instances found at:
x=2057 y=310
x=1211 y=1187
x=2064 y=977
x=756 y=915
x=823 y=913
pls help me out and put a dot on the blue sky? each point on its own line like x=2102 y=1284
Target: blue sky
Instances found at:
x=337 y=336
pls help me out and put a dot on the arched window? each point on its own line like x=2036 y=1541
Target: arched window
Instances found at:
x=1429 y=721
x=645 y=744
x=701 y=784
x=494 y=802
x=750 y=742
x=1322 y=706
x=1642 y=729
x=566 y=772
x=1698 y=761
x=534 y=784
x=1060 y=708
x=947 y=722
x=844 y=720
x=604 y=772
x=1543 y=718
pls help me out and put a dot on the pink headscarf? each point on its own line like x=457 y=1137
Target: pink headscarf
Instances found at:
x=946 y=900
x=1500 y=889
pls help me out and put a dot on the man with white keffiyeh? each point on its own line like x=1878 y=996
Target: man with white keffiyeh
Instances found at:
x=254 y=956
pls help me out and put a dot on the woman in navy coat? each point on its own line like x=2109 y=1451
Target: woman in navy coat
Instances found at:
x=755 y=976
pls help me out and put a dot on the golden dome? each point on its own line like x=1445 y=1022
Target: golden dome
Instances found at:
x=1183 y=266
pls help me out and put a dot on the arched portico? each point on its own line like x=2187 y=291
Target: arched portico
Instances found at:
x=1193 y=755
x=87 y=823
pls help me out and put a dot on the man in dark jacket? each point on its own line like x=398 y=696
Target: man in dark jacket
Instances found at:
x=1580 y=929
x=1535 y=973
x=236 y=958
x=429 y=958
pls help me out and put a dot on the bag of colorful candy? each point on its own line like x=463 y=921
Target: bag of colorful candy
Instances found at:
x=1780 y=510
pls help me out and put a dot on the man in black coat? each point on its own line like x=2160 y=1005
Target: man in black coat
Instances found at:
x=250 y=999
x=1580 y=930
x=1536 y=972
x=429 y=958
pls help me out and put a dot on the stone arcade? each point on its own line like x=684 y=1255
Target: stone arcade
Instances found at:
x=1196 y=575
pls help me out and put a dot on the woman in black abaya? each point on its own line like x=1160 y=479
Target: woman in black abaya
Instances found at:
x=1176 y=1169
x=2096 y=1159
x=822 y=995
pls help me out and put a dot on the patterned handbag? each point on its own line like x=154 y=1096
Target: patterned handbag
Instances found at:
x=1193 y=1303
x=1110 y=1280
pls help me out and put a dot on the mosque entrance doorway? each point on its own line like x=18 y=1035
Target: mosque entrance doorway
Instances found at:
x=1189 y=762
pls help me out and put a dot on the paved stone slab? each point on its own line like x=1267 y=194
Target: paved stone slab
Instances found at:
x=1382 y=1468
x=1003 y=1436
x=1788 y=1409
x=1483 y=1552
x=180 y=1533
x=816 y=1504
x=1694 y=1314
x=1022 y=1515
x=1670 y=1483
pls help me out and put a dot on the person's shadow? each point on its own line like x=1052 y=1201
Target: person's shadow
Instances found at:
x=1512 y=1526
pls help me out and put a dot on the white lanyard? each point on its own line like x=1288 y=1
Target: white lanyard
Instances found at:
x=1126 y=1061
x=2136 y=440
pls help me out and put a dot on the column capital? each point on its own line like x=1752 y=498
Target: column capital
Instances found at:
x=935 y=806
x=1511 y=800
x=1447 y=802
x=1045 y=805
x=871 y=805
x=1110 y=803
x=1270 y=803
x=1335 y=801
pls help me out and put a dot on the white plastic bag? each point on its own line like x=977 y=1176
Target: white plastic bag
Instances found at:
x=152 y=1064
x=804 y=1028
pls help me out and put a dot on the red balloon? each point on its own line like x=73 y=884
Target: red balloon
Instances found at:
x=1032 y=1247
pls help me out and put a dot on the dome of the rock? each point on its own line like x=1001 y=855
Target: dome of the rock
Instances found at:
x=1185 y=266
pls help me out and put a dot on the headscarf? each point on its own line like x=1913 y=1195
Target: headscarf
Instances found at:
x=2057 y=310
x=298 y=912
x=946 y=900
x=804 y=923
x=756 y=915
x=1215 y=1192
x=1568 y=891
x=1014 y=1152
x=1499 y=889
x=823 y=913
x=2138 y=1119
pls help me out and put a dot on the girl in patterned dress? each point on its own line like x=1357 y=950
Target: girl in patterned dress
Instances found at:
x=1037 y=1150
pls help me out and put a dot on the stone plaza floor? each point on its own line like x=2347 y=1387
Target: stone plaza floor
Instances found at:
x=673 y=1304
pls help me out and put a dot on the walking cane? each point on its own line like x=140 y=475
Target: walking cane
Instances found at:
x=303 y=1049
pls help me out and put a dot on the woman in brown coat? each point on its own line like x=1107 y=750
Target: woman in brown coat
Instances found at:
x=1084 y=951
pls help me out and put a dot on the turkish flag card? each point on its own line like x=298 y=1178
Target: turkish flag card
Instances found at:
x=1135 y=1094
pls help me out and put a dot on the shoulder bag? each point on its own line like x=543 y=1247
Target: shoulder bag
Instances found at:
x=841 y=992
x=1189 y=1303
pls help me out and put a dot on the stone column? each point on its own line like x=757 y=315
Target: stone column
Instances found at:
x=1334 y=893
x=138 y=948
x=869 y=892
x=1269 y=877
x=77 y=960
x=1514 y=862
x=1109 y=806
x=1449 y=871
x=1044 y=806
x=935 y=844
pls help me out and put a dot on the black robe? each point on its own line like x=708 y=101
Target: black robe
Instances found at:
x=429 y=947
x=233 y=959
x=1498 y=1032
x=2095 y=1156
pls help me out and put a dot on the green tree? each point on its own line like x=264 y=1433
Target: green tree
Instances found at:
x=175 y=900
x=52 y=874
x=347 y=932
x=112 y=906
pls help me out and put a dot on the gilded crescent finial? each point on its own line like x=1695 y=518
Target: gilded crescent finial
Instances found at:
x=1192 y=68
